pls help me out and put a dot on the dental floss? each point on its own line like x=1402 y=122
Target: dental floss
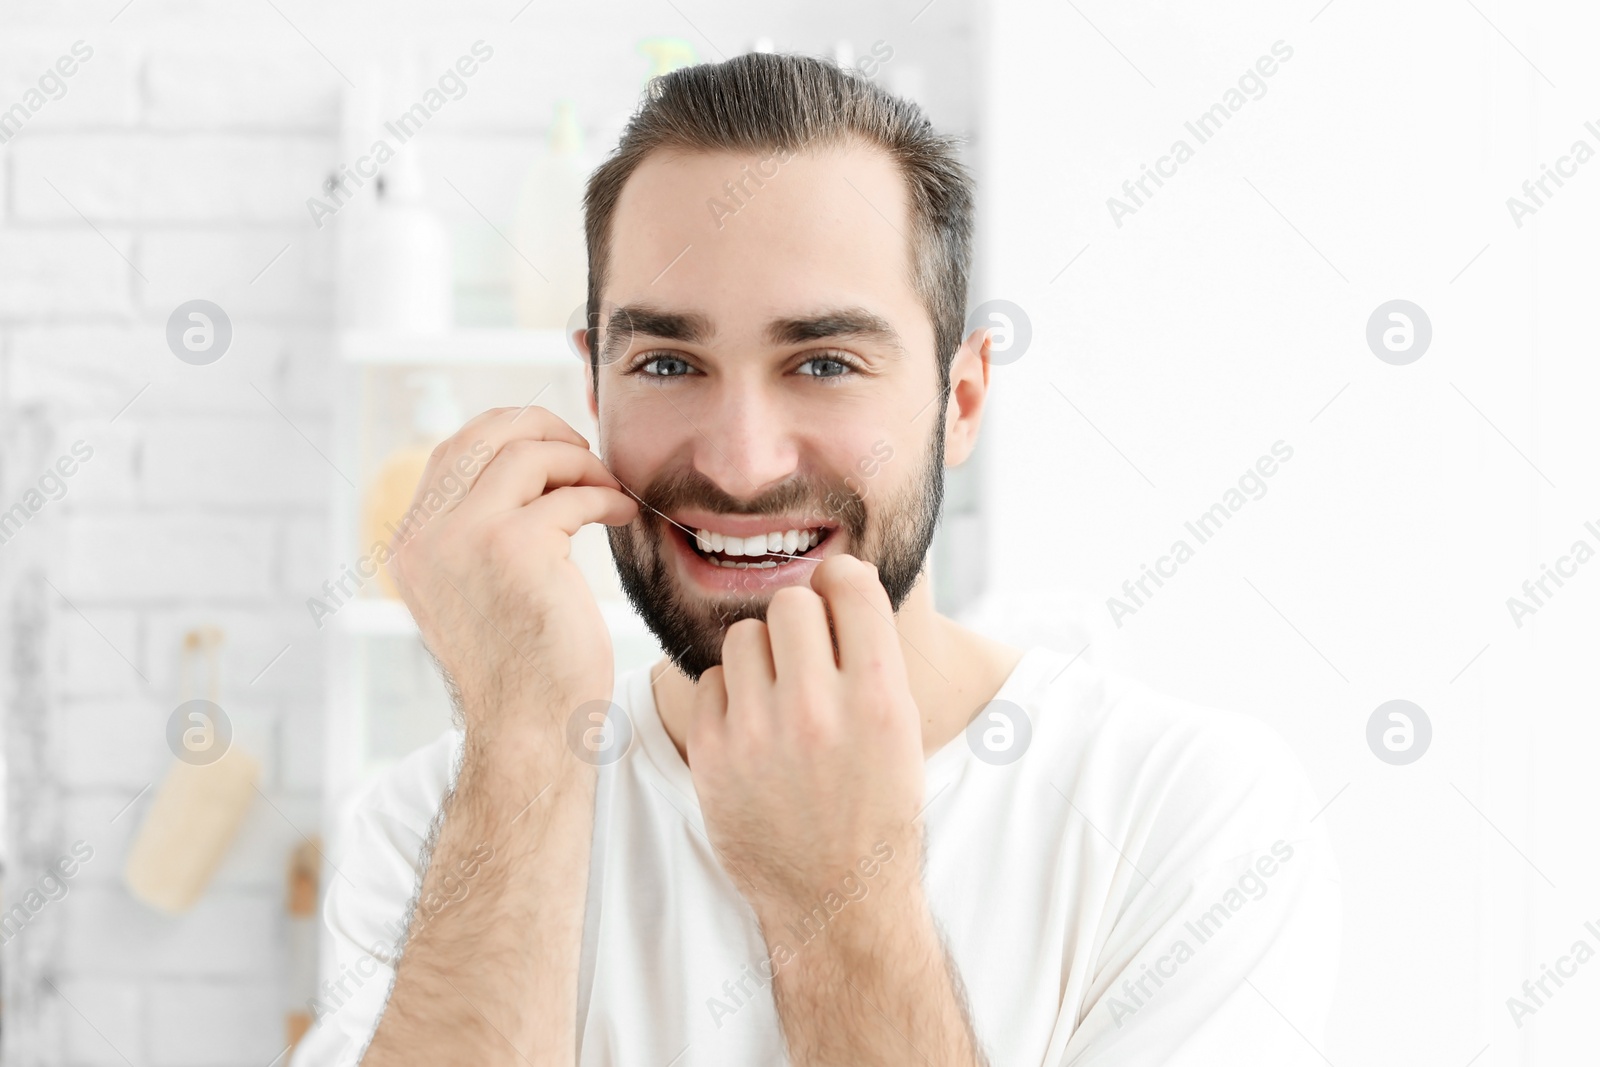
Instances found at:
x=691 y=533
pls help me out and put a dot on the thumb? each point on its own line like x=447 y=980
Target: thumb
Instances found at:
x=710 y=708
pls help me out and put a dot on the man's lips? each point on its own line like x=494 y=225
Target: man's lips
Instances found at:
x=746 y=542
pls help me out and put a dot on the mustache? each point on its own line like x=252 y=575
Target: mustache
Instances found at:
x=818 y=501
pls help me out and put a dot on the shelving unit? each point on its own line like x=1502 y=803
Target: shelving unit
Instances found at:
x=468 y=346
x=384 y=696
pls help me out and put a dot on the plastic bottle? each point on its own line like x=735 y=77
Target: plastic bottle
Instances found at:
x=399 y=271
x=549 y=267
x=550 y=286
x=434 y=417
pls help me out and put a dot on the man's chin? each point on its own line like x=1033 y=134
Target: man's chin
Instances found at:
x=690 y=627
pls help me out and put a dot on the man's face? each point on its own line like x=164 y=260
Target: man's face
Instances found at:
x=774 y=398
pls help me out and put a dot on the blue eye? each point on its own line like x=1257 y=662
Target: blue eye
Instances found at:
x=826 y=367
x=665 y=367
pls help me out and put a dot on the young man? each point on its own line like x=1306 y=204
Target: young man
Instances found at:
x=831 y=826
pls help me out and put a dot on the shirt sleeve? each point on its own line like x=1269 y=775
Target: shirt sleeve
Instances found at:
x=368 y=899
x=1225 y=946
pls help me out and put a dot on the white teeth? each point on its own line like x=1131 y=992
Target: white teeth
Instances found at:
x=786 y=542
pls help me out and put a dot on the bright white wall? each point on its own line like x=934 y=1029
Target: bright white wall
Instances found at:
x=1225 y=315
x=177 y=166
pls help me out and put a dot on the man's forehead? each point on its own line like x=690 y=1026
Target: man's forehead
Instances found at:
x=684 y=218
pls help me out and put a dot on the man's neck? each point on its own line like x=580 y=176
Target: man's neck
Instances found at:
x=953 y=673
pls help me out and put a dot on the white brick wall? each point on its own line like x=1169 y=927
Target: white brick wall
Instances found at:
x=170 y=178
x=181 y=157
x=64 y=273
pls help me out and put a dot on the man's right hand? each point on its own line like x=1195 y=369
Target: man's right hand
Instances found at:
x=490 y=579
x=491 y=977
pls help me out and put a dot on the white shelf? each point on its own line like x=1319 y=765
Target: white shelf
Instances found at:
x=525 y=347
x=376 y=617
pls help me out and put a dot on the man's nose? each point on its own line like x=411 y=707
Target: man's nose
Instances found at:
x=744 y=441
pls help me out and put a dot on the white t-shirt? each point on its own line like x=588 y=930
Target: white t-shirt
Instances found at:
x=1143 y=885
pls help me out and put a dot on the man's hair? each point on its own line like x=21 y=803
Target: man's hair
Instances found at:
x=765 y=102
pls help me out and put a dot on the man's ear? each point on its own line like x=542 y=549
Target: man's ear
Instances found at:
x=580 y=341
x=969 y=389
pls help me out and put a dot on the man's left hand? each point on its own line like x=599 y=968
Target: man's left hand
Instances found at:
x=809 y=768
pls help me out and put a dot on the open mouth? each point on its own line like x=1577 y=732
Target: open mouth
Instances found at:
x=760 y=551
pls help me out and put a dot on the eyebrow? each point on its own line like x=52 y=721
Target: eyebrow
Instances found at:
x=695 y=328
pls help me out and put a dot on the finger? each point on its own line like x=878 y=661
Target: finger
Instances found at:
x=747 y=666
x=523 y=471
x=862 y=617
x=445 y=452
x=470 y=448
x=797 y=628
x=572 y=507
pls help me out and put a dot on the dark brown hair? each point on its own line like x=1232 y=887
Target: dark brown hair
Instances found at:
x=777 y=103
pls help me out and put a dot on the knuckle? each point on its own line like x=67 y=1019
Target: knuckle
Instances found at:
x=519 y=447
x=747 y=629
x=863 y=568
x=791 y=601
x=485 y=416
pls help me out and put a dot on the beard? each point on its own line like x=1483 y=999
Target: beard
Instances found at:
x=894 y=535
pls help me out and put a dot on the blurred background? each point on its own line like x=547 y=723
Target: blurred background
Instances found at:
x=231 y=326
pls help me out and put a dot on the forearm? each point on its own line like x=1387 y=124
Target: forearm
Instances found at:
x=491 y=977
x=877 y=987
